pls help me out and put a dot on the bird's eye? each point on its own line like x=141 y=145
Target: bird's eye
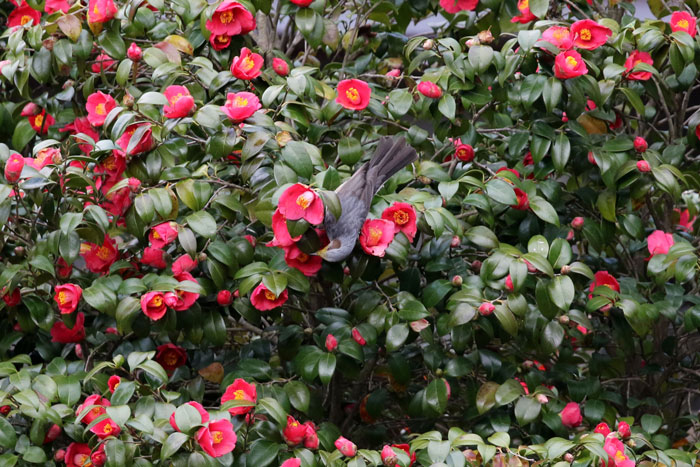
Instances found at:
x=334 y=244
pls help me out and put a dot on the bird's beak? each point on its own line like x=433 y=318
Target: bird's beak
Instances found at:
x=322 y=252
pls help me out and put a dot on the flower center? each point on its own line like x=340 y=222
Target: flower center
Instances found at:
x=270 y=296
x=586 y=34
x=103 y=253
x=62 y=298
x=217 y=437
x=108 y=428
x=353 y=95
x=524 y=4
x=157 y=301
x=683 y=24
x=240 y=102
x=620 y=456
x=100 y=109
x=175 y=98
x=156 y=235
x=571 y=61
x=38 y=120
x=110 y=163
x=303 y=257
x=305 y=199
x=400 y=217
x=96 y=10
x=239 y=394
x=374 y=236
x=222 y=39
x=560 y=33
x=226 y=17
x=25 y=19
x=117 y=385
x=82 y=460
x=96 y=410
x=170 y=359
x=248 y=63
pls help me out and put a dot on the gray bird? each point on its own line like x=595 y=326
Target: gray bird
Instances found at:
x=356 y=193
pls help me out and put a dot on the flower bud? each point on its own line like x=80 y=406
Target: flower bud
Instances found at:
x=486 y=308
x=564 y=118
x=52 y=433
x=20 y=251
x=509 y=284
x=456 y=241
x=428 y=44
x=236 y=293
x=569 y=235
x=331 y=343
x=202 y=256
x=640 y=144
x=542 y=399
x=346 y=271
x=643 y=166
x=476 y=265
x=424 y=180
x=563 y=319
x=389 y=456
x=5 y=409
x=128 y=100
x=78 y=351
x=631 y=443
x=134 y=184
x=485 y=37
x=568 y=457
x=59 y=455
x=566 y=269
x=224 y=298
x=280 y=66
x=591 y=158
x=134 y=53
x=624 y=429
x=457 y=281
x=577 y=223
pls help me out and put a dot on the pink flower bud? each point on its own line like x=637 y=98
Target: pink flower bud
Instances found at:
x=331 y=342
x=389 y=456
x=624 y=429
x=134 y=53
x=79 y=351
x=591 y=158
x=134 y=183
x=577 y=223
x=224 y=298
x=358 y=337
x=568 y=457
x=456 y=241
x=486 y=308
x=457 y=281
x=280 y=66
x=643 y=166
x=564 y=118
x=59 y=455
x=346 y=447
x=395 y=73
x=542 y=399
x=640 y=144
x=509 y=284
x=569 y=235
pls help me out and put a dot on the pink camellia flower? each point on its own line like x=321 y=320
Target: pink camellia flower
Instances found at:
x=569 y=64
x=684 y=220
x=134 y=52
x=291 y=462
x=281 y=238
x=419 y=324
x=98 y=258
x=643 y=166
x=23 y=15
x=203 y=414
x=395 y=73
x=589 y=35
x=153 y=305
x=144 y=142
x=357 y=337
x=113 y=382
x=280 y=66
x=64 y=335
x=101 y=11
x=294 y=432
x=571 y=415
x=247 y=65
x=302 y=3
x=77 y=455
x=224 y=298
x=89 y=413
x=240 y=106
x=41 y=122
x=602 y=428
x=346 y=447
x=523 y=201
x=509 y=283
x=403 y=215
x=231 y=19
x=13 y=167
x=82 y=125
x=389 y=458
x=183 y=264
x=331 y=342
x=353 y=94
x=153 y=257
x=44 y=157
x=301 y=202
x=106 y=428
x=98 y=106
x=310 y=437
x=633 y=60
x=309 y=265
x=30 y=109
x=163 y=234
x=455 y=6
x=525 y=15
x=684 y=21
x=616 y=453
x=52 y=6
x=376 y=235
x=180 y=102
x=558 y=36
x=623 y=428
x=640 y=144
x=217 y=438
x=429 y=89
x=263 y=299
x=659 y=242
x=67 y=297
x=464 y=152
x=98 y=457
x=240 y=390
x=577 y=223
x=182 y=299
x=486 y=308
x=103 y=62
x=219 y=42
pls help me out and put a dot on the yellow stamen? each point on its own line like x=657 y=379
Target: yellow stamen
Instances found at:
x=38 y=120
x=400 y=217
x=239 y=394
x=103 y=253
x=62 y=298
x=353 y=95
x=226 y=17
x=683 y=24
x=157 y=300
x=586 y=34
x=100 y=109
x=571 y=61
x=305 y=199
x=248 y=63
x=217 y=437
x=270 y=296
x=374 y=236
x=25 y=19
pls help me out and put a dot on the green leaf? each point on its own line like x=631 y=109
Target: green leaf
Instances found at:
x=539 y=7
x=606 y=205
x=22 y=135
x=482 y=236
x=299 y=395
x=561 y=152
x=8 y=437
x=172 y=444
x=115 y=452
x=480 y=57
x=396 y=336
x=501 y=439
x=552 y=337
x=544 y=210
x=202 y=223
x=651 y=423
x=486 y=397
x=501 y=191
x=561 y=291
x=274 y=409
x=527 y=409
x=262 y=453
x=447 y=106
x=349 y=150
x=436 y=396
x=326 y=367
x=123 y=393
x=508 y=392
x=552 y=93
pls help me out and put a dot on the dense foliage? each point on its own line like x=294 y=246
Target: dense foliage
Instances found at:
x=526 y=291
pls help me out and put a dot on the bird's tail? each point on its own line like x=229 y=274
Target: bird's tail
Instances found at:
x=391 y=155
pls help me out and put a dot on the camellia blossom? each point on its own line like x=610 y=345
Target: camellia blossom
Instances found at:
x=632 y=61
x=659 y=242
x=280 y=66
x=569 y=64
x=224 y=297
x=219 y=42
x=134 y=52
x=98 y=258
x=684 y=21
x=113 y=383
x=558 y=36
x=301 y=202
x=376 y=235
x=13 y=167
x=67 y=297
x=77 y=455
x=52 y=6
x=589 y=35
x=171 y=357
x=183 y=264
x=184 y=299
x=684 y=220
x=153 y=305
x=103 y=62
x=142 y=134
x=604 y=278
x=82 y=125
x=616 y=453
x=331 y=342
x=302 y=3
x=44 y=157
x=105 y=428
x=153 y=257
x=64 y=335
x=41 y=122
x=23 y=15
x=240 y=390
x=291 y=462
x=217 y=438
x=309 y=265
x=264 y=299
x=353 y=94
x=93 y=407
x=571 y=415
x=602 y=428
x=357 y=337
x=464 y=152
x=203 y=414
x=293 y=432
x=101 y=11
x=163 y=234
x=180 y=102
x=403 y=215
x=240 y=105
x=523 y=201
x=282 y=237
x=623 y=428
x=455 y=6
x=346 y=447
x=643 y=166
x=525 y=15
x=98 y=106
x=310 y=437
x=640 y=144
x=231 y=19
x=247 y=65
x=429 y=89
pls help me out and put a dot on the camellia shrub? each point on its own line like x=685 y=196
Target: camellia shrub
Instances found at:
x=525 y=292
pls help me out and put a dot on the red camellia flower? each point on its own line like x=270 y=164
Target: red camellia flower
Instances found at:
x=376 y=235
x=106 y=428
x=163 y=234
x=331 y=342
x=13 y=167
x=240 y=105
x=171 y=357
x=659 y=242
x=525 y=15
x=558 y=36
x=99 y=105
x=643 y=166
x=153 y=257
x=309 y=265
x=353 y=94
x=134 y=52
x=616 y=453
x=302 y=3
x=22 y=15
x=153 y=305
x=113 y=382
x=93 y=407
x=98 y=258
x=41 y=122
x=203 y=414
x=13 y=298
x=280 y=66
x=64 y=335
x=138 y=136
x=455 y=6
x=310 y=437
x=684 y=21
x=291 y=462
x=684 y=220
x=406 y=448
x=640 y=144
x=509 y=283
x=357 y=337
x=82 y=125
x=486 y=308
x=464 y=152
x=429 y=89
x=63 y=269
x=217 y=438
x=263 y=299
x=67 y=296
x=219 y=42
x=346 y=447
x=633 y=60
x=44 y=157
x=604 y=278
x=602 y=428
x=224 y=298
x=577 y=223
x=183 y=299
x=294 y=432
x=52 y=433
x=623 y=428
x=101 y=11
x=523 y=201
x=98 y=457
x=281 y=238
x=389 y=458
x=403 y=215
x=301 y=202
x=180 y=102
x=183 y=264
x=77 y=455
x=247 y=65
x=103 y=62
x=240 y=390
x=571 y=415
x=589 y=35
x=231 y=19
x=569 y=64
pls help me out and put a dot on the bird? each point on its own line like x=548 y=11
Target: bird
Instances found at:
x=356 y=194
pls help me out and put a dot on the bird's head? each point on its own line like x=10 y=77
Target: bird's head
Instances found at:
x=336 y=250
